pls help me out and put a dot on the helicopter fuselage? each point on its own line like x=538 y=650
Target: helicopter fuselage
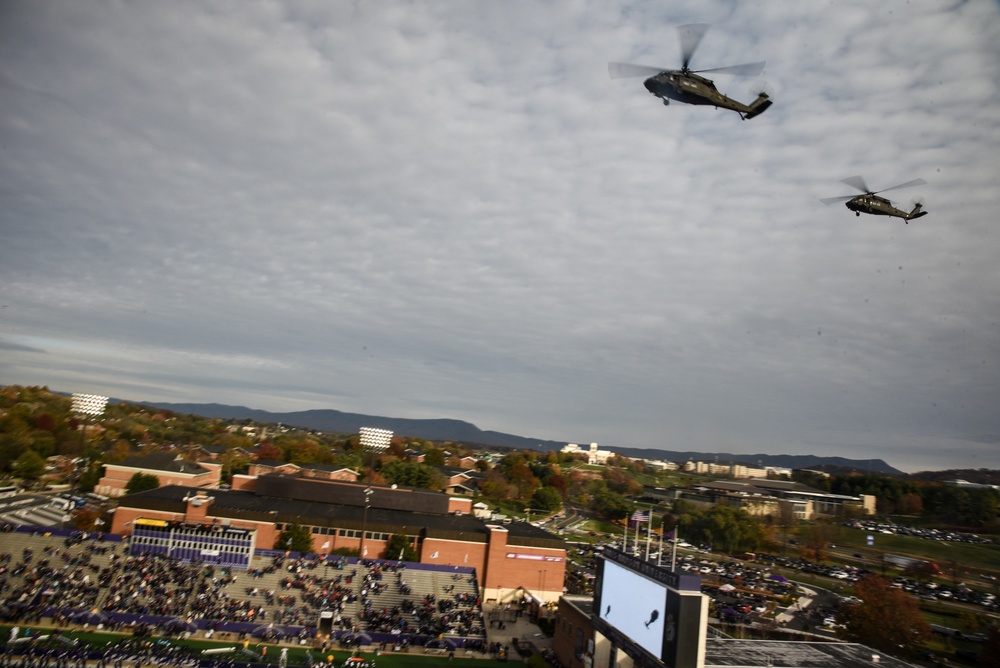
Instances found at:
x=880 y=206
x=690 y=88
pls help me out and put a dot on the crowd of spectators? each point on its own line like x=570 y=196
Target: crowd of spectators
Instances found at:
x=83 y=580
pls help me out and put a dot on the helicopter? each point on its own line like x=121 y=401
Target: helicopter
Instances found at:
x=686 y=85
x=870 y=202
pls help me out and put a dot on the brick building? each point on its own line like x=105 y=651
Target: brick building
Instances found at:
x=169 y=469
x=440 y=527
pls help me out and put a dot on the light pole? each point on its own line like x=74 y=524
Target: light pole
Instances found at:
x=84 y=405
x=375 y=441
x=364 y=521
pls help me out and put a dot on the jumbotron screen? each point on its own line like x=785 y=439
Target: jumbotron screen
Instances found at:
x=651 y=613
x=635 y=605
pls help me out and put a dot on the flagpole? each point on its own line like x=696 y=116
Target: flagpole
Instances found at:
x=673 y=556
x=659 y=555
x=649 y=531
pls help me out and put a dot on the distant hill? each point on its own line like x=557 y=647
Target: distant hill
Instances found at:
x=459 y=431
x=832 y=465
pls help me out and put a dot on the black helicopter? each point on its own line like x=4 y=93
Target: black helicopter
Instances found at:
x=685 y=85
x=870 y=202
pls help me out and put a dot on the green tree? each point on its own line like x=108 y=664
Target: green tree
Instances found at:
x=434 y=457
x=413 y=474
x=295 y=537
x=399 y=547
x=546 y=498
x=29 y=466
x=608 y=504
x=726 y=529
x=90 y=477
x=140 y=482
x=886 y=618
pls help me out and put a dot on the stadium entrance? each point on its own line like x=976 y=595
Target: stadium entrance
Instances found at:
x=194 y=543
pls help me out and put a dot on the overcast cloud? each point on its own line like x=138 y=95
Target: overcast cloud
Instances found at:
x=448 y=209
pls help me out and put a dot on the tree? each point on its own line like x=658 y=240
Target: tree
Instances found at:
x=886 y=618
x=399 y=547
x=295 y=538
x=90 y=477
x=86 y=518
x=546 y=498
x=141 y=482
x=268 y=451
x=990 y=656
x=413 y=474
x=434 y=457
x=29 y=466
x=725 y=529
x=609 y=505
x=816 y=544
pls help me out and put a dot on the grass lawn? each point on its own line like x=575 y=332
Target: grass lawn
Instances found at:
x=297 y=655
x=970 y=558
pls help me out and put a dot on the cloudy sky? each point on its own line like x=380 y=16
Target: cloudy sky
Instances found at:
x=449 y=209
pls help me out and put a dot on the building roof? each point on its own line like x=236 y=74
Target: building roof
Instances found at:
x=250 y=505
x=795 y=654
x=166 y=462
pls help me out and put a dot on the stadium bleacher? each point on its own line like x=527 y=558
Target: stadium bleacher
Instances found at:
x=90 y=579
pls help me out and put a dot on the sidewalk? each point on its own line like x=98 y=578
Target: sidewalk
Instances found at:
x=517 y=628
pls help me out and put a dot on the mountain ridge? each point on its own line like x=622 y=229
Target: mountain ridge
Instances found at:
x=449 y=429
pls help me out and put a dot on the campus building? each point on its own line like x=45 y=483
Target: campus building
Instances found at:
x=226 y=526
x=766 y=497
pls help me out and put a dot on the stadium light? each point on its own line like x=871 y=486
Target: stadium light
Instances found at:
x=375 y=441
x=86 y=405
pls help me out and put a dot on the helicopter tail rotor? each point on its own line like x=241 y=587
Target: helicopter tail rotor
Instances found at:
x=761 y=87
x=917 y=211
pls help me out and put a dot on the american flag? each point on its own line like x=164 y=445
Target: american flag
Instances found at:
x=640 y=516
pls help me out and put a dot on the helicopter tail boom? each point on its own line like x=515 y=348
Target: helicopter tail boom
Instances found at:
x=916 y=213
x=758 y=106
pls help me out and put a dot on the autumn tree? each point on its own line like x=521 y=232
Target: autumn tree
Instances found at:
x=268 y=451
x=85 y=519
x=883 y=617
x=496 y=486
x=816 y=541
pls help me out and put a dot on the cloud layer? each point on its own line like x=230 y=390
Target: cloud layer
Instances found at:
x=435 y=210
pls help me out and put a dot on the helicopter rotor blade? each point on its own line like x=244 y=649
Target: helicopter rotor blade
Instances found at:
x=691 y=35
x=619 y=70
x=908 y=184
x=744 y=70
x=857 y=183
x=834 y=200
